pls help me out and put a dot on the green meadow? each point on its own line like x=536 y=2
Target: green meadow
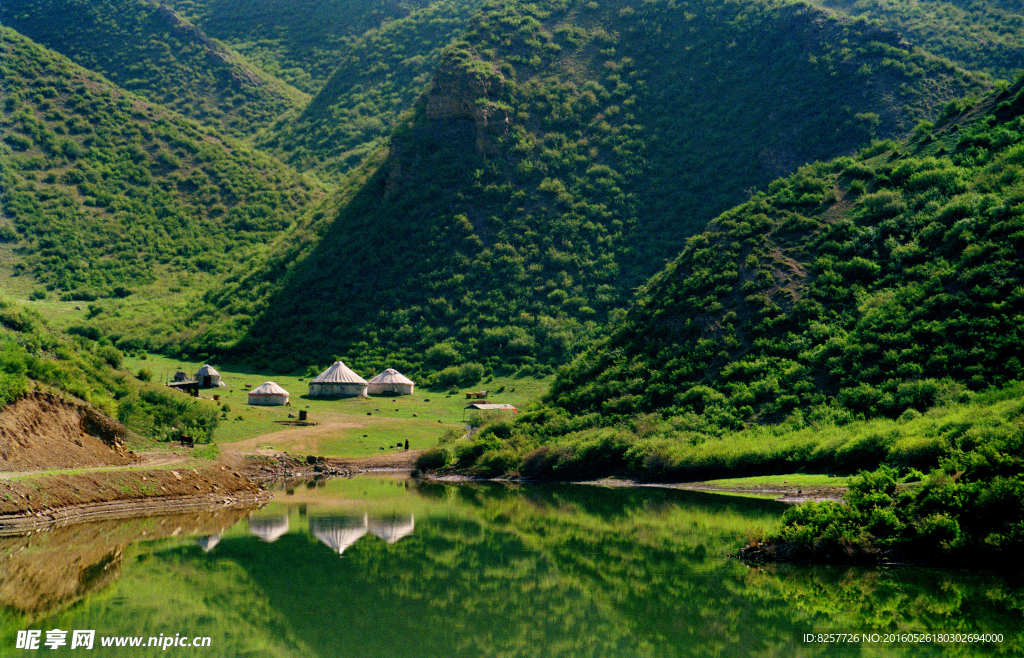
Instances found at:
x=349 y=427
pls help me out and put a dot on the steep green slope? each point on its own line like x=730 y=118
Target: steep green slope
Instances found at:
x=863 y=281
x=874 y=287
x=299 y=41
x=562 y=154
x=146 y=48
x=980 y=35
x=102 y=193
x=378 y=76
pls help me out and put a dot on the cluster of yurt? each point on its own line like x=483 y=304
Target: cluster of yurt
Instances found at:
x=268 y=394
x=339 y=381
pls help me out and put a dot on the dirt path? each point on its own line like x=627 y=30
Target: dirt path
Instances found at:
x=146 y=460
x=301 y=439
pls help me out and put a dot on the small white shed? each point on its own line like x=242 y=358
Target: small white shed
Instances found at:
x=208 y=377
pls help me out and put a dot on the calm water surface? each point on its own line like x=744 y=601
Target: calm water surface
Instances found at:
x=379 y=566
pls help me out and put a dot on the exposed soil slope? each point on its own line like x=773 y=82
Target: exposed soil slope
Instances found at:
x=42 y=431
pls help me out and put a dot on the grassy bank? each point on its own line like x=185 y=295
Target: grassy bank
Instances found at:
x=687 y=448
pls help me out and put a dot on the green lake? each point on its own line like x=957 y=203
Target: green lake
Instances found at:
x=384 y=566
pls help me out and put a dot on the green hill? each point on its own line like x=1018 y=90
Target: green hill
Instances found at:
x=87 y=367
x=864 y=281
x=103 y=193
x=876 y=287
x=562 y=154
x=146 y=48
x=980 y=35
x=299 y=41
x=378 y=76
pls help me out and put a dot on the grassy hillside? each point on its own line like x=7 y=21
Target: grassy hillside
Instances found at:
x=146 y=48
x=862 y=314
x=980 y=35
x=551 y=168
x=89 y=369
x=103 y=193
x=298 y=41
x=377 y=77
x=865 y=282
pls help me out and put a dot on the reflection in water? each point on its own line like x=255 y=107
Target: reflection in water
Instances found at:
x=338 y=532
x=499 y=570
x=393 y=527
x=43 y=572
x=268 y=528
x=208 y=542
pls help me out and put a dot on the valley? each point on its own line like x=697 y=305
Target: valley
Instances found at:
x=687 y=241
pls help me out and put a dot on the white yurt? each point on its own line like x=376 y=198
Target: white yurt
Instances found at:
x=208 y=377
x=390 y=382
x=338 y=381
x=338 y=532
x=268 y=394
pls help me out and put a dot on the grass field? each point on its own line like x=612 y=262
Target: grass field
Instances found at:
x=351 y=427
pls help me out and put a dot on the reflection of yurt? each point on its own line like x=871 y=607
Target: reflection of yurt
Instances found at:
x=390 y=382
x=392 y=527
x=208 y=542
x=268 y=528
x=268 y=394
x=337 y=382
x=208 y=377
x=338 y=532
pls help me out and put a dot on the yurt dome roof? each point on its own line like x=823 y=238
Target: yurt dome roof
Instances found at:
x=391 y=376
x=268 y=388
x=338 y=373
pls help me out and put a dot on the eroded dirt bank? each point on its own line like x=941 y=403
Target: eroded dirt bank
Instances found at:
x=47 y=500
x=43 y=431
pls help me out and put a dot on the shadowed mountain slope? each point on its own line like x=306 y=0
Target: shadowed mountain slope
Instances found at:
x=878 y=283
x=561 y=156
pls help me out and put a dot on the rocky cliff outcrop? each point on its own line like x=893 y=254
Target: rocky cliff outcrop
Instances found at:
x=465 y=105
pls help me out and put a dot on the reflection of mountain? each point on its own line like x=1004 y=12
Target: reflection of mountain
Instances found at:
x=269 y=528
x=392 y=527
x=338 y=532
x=547 y=571
x=45 y=571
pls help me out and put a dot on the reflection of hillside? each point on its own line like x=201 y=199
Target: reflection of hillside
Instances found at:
x=558 y=571
x=46 y=571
